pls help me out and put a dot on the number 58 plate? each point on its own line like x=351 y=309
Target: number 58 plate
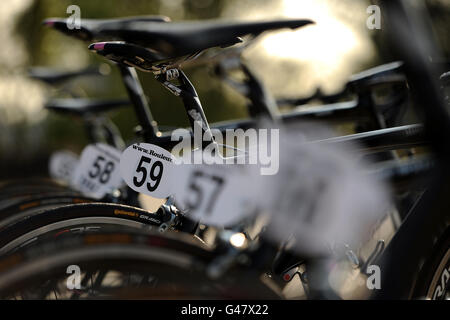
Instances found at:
x=98 y=172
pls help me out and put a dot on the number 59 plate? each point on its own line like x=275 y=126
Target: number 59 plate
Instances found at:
x=214 y=194
x=98 y=172
x=149 y=169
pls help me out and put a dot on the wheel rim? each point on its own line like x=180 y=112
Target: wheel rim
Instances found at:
x=439 y=285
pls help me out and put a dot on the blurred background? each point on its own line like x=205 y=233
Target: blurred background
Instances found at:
x=320 y=56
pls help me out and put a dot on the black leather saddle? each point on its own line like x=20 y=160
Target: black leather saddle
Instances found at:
x=391 y=72
x=92 y=29
x=81 y=107
x=53 y=76
x=170 y=39
x=149 y=43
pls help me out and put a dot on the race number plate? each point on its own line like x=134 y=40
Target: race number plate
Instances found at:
x=218 y=194
x=149 y=169
x=98 y=172
x=62 y=165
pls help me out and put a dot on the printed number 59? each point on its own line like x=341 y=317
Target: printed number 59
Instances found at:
x=156 y=178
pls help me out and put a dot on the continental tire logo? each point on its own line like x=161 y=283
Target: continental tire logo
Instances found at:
x=29 y=205
x=125 y=213
x=10 y=262
x=76 y=200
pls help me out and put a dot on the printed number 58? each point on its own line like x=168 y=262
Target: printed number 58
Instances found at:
x=103 y=174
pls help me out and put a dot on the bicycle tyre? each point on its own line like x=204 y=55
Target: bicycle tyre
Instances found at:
x=30 y=228
x=434 y=278
x=177 y=261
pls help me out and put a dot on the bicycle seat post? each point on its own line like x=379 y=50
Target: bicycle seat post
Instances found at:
x=192 y=104
x=136 y=93
x=262 y=102
x=102 y=129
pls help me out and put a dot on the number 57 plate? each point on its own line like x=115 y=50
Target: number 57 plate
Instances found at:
x=214 y=194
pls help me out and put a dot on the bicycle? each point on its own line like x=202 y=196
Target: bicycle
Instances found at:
x=43 y=218
x=341 y=138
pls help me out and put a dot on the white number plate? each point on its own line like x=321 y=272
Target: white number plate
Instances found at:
x=149 y=169
x=218 y=194
x=214 y=194
x=62 y=165
x=98 y=172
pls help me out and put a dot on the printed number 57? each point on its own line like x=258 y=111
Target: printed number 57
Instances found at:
x=156 y=178
x=214 y=185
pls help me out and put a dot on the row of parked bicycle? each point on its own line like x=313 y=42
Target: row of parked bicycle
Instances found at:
x=211 y=236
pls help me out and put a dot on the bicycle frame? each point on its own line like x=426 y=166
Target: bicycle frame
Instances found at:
x=376 y=141
x=385 y=139
x=431 y=215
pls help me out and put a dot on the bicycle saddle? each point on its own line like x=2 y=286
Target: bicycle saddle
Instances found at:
x=92 y=28
x=391 y=72
x=129 y=54
x=177 y=39
x=150 y=43
x=81 y=107
x=53 y=76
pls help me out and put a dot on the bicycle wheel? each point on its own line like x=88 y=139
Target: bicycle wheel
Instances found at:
x=22 y=207
x=21 y=189
x=40 y=199
x=130 y=264
x=73 y=218
x=31 y=182
x=434 y=279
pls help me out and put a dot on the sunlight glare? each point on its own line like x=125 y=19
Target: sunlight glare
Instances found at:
x=321 y=55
